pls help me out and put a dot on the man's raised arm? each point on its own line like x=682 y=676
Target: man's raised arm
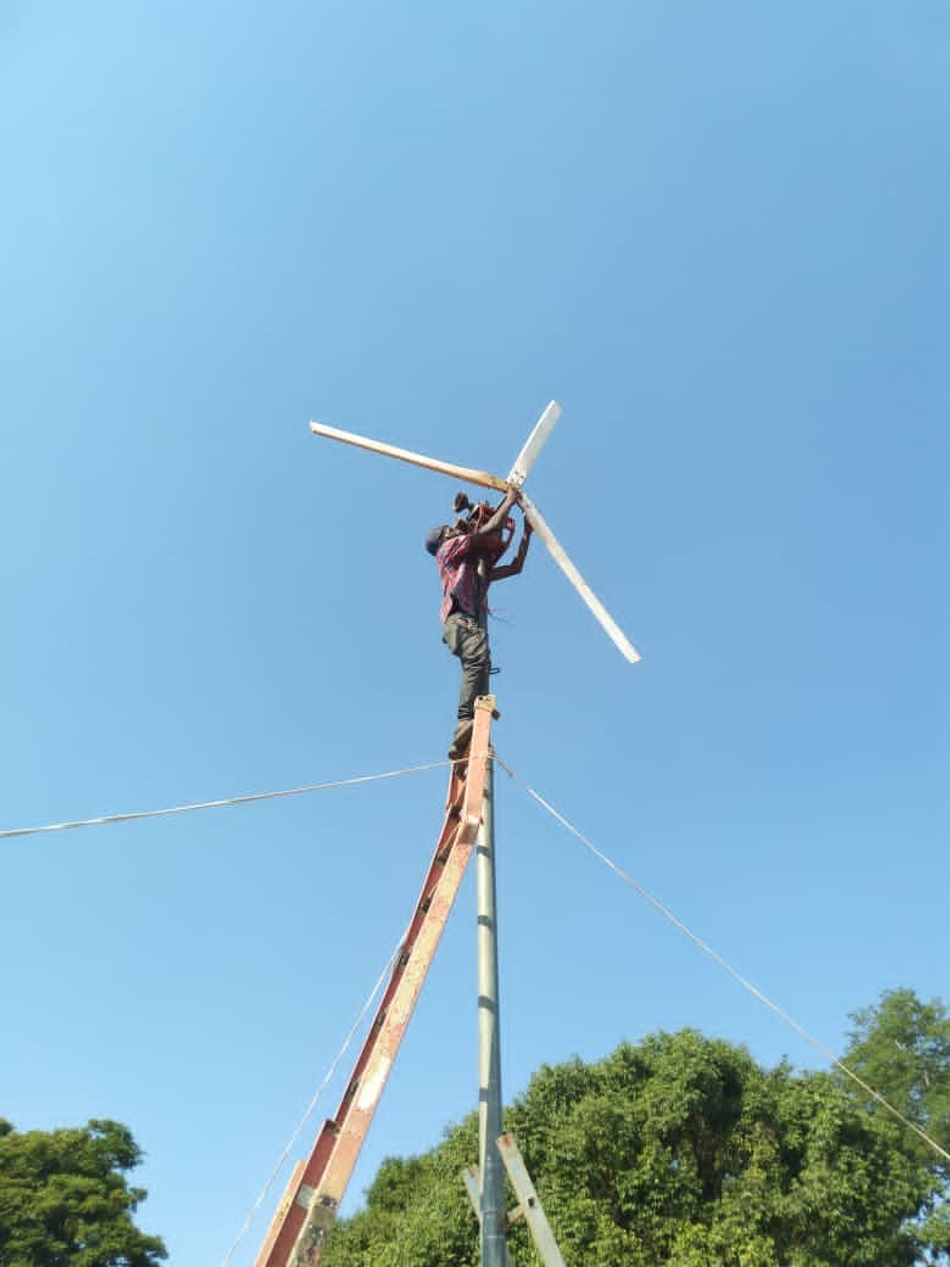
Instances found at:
x=497 y=521
x=517 y=563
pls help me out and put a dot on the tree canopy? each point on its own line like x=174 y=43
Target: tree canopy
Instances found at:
x=682 y=1150
x=64 y=1200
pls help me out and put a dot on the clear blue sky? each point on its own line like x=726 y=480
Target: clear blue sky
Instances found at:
x=717 y=233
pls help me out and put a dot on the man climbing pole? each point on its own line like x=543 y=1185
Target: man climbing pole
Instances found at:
x=458 y=549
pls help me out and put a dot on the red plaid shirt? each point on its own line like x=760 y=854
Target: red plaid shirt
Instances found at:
x=458 y=558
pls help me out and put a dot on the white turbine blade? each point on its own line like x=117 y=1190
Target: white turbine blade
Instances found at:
x=613 y=630
x=465 y=473
x=535 y=443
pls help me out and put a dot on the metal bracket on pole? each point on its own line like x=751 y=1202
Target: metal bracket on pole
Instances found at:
x=470 y=1179
x=531 y=1206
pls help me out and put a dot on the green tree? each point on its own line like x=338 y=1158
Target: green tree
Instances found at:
x=64 y=1200
x=682 y=1150
x=901 y=1048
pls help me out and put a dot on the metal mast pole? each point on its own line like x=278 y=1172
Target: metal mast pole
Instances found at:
x=491 y=1173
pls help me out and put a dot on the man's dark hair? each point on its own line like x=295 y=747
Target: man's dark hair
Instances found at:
x=434 y=538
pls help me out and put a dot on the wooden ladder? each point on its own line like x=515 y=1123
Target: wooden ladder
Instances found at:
x=309 y=1205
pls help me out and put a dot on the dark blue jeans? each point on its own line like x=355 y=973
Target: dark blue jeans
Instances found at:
x=464 y=639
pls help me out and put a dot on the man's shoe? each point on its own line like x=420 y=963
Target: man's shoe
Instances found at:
x=461 y=739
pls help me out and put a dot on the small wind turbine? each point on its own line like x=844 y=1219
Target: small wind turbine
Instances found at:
x=317 y=1185
x=516 y=478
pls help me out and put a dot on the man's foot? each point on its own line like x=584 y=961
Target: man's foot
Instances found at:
x=461 y=739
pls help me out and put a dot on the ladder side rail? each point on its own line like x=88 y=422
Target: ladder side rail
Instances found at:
x=453 y=813
x=277 y=1222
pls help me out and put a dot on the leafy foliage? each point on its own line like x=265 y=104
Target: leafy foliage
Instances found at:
x=64 y=1201
x=901 y=1048
x=681 y=1150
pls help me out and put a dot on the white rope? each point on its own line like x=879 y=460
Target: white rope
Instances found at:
x=727 y=967
x=252 y=1213
x=231 y=800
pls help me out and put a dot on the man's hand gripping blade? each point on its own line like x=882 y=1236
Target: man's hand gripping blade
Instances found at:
x=613 y=630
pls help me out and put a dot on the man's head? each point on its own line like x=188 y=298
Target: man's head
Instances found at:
x=435 y=538
x=444 y=531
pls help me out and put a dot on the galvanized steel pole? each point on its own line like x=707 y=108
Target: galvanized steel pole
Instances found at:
x=491 y=1173
x=490 y=1169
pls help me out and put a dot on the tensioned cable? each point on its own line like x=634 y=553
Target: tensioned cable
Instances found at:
x=316 y=1098
x=727 y=967
x=231 y=800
